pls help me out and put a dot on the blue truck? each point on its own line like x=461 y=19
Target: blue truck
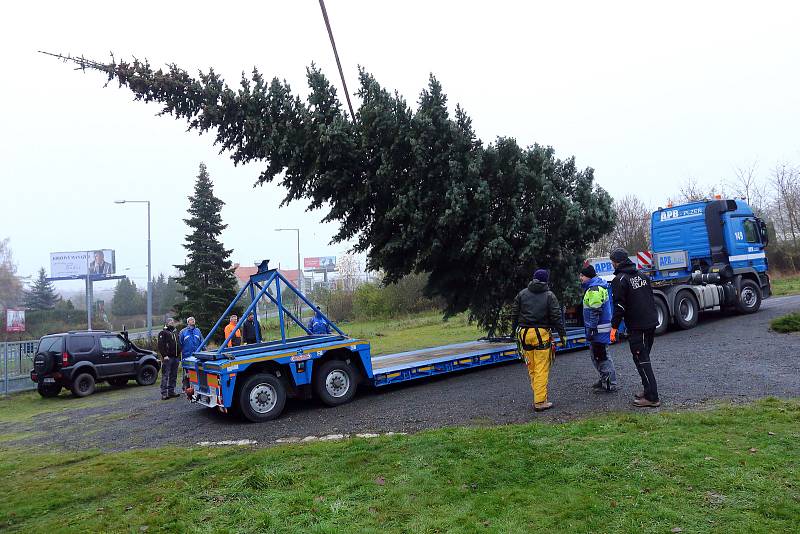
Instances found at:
x=707 y=255
x=256 y=379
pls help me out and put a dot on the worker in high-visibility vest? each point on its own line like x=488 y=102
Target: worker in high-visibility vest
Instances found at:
x=534 y=313
x=236 y=339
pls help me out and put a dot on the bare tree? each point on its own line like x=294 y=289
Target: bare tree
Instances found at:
x=632 y=231
x=746 y=185
x=785 y=182
x=10 y=283
x=693 y=191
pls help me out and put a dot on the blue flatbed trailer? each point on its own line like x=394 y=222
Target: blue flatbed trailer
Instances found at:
x=256 y=379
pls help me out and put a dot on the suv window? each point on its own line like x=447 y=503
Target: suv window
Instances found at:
x=112 y=344
x=51 y=344
x=78 y=344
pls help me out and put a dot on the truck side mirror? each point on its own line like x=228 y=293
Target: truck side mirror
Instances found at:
x=764 y=231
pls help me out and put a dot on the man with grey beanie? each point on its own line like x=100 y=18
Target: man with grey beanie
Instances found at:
x=169 y=349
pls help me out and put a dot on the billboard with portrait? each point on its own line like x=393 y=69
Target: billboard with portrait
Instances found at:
x=15 y=320
x=95 y=262
x=320 y=263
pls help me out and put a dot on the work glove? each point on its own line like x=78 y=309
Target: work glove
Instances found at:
x=613 y=335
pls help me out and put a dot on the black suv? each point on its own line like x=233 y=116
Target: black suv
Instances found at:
x=77 y=360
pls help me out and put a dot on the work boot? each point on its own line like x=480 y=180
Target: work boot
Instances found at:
x=639 y=394
x=173 y=395
x=164 y=397
x=645 y=403
x=542 y=406
x=599 y=385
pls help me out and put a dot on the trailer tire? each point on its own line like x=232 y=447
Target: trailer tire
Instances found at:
x=663 y=316
x=749 y=298
x=335 y=382
x=262 y=397
x=687 y=309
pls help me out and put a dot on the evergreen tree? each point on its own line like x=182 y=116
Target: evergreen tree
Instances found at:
x=42 y=295
x=207 y=278
x=415 y=190
x=127 y=299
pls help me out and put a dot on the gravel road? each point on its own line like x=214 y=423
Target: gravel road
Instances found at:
x=723 y=358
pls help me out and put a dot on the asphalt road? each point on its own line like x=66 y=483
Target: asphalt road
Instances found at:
x=723 y=358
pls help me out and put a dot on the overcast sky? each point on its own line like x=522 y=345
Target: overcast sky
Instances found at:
x=646 y=93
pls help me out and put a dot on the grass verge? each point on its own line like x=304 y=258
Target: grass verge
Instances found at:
x=788 y=285
x=729 y=469
x=787 y=323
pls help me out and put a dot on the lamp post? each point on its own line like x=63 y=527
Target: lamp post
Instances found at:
x=149 y=267
x=299 y=282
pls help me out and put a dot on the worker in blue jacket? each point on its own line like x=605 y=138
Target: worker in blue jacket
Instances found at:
x=190 y=338
x=318 y=324
x=597 y=322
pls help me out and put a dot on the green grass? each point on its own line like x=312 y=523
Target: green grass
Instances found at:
x=787 y=323
x=19 y=407
x=788 y=285
x=728 y=469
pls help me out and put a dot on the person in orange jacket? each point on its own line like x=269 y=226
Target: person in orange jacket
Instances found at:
x=236 y=340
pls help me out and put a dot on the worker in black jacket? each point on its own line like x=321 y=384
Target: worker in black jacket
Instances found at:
x=632 y=293
x=536 y=311
x=251 y=330
x=169 y=349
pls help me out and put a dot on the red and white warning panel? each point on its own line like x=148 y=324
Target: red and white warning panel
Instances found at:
x=644 y=259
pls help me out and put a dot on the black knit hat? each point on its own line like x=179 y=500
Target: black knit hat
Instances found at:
x=588 y=271
x=618 y=255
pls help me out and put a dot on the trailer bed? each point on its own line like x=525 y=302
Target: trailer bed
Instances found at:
x=403 y=366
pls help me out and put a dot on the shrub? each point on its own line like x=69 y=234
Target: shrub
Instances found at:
x=787 y=323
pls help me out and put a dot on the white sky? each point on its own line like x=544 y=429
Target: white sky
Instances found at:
x=646 y=93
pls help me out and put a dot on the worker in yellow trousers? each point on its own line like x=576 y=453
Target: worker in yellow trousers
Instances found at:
x=535 y=312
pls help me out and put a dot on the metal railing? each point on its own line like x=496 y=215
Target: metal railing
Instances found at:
x=16 y=358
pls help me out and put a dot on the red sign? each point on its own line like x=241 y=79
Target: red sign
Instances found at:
x=327 y=263
x=15 y=320
x=311 y=263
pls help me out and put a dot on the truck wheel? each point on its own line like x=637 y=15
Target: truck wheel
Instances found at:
x=335 y=382
x=83 y=385
x=686 y=309
x=146 y=375
x=663 y=316
x=749 y=300
x=262 y=397
x=48 y=390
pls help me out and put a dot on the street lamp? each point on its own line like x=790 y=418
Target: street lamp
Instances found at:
x=149 y=266
x=299 y=283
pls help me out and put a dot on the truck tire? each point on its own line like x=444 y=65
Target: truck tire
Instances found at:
x=48 y=390
x=262 y=397
x=749 y=299
x=146 y=375
x=663 y=316
x=83 y=385
x=687 y=310
x=335 y=382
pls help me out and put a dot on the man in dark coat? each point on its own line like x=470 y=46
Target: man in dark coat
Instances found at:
x=169 y=349
x=536 y=311
x=251 y=330
x=632 y=293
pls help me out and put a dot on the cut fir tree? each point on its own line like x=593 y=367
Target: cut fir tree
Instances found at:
x=415 y=190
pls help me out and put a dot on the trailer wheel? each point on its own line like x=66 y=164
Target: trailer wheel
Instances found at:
x=749 y=299
x=262 y=397
x=686 y=309
x=663 y=316
x=335 y=382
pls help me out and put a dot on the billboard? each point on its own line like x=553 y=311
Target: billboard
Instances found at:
x=97 y=262
x=15 y=320
x=320 y=263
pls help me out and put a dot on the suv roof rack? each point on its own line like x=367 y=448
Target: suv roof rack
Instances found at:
x=90 y=332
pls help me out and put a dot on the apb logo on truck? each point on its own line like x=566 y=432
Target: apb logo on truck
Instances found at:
x=669 y=215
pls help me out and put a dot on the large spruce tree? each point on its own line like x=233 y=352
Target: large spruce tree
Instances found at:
x=42 y=294
x=415 y=189
x=207 y=279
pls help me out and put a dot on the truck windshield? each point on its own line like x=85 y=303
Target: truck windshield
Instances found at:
x=51 y=344
x=750 y=231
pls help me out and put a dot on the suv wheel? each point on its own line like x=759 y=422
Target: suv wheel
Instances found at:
x=83 y=385
x=48 y=390
x=147 y=374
